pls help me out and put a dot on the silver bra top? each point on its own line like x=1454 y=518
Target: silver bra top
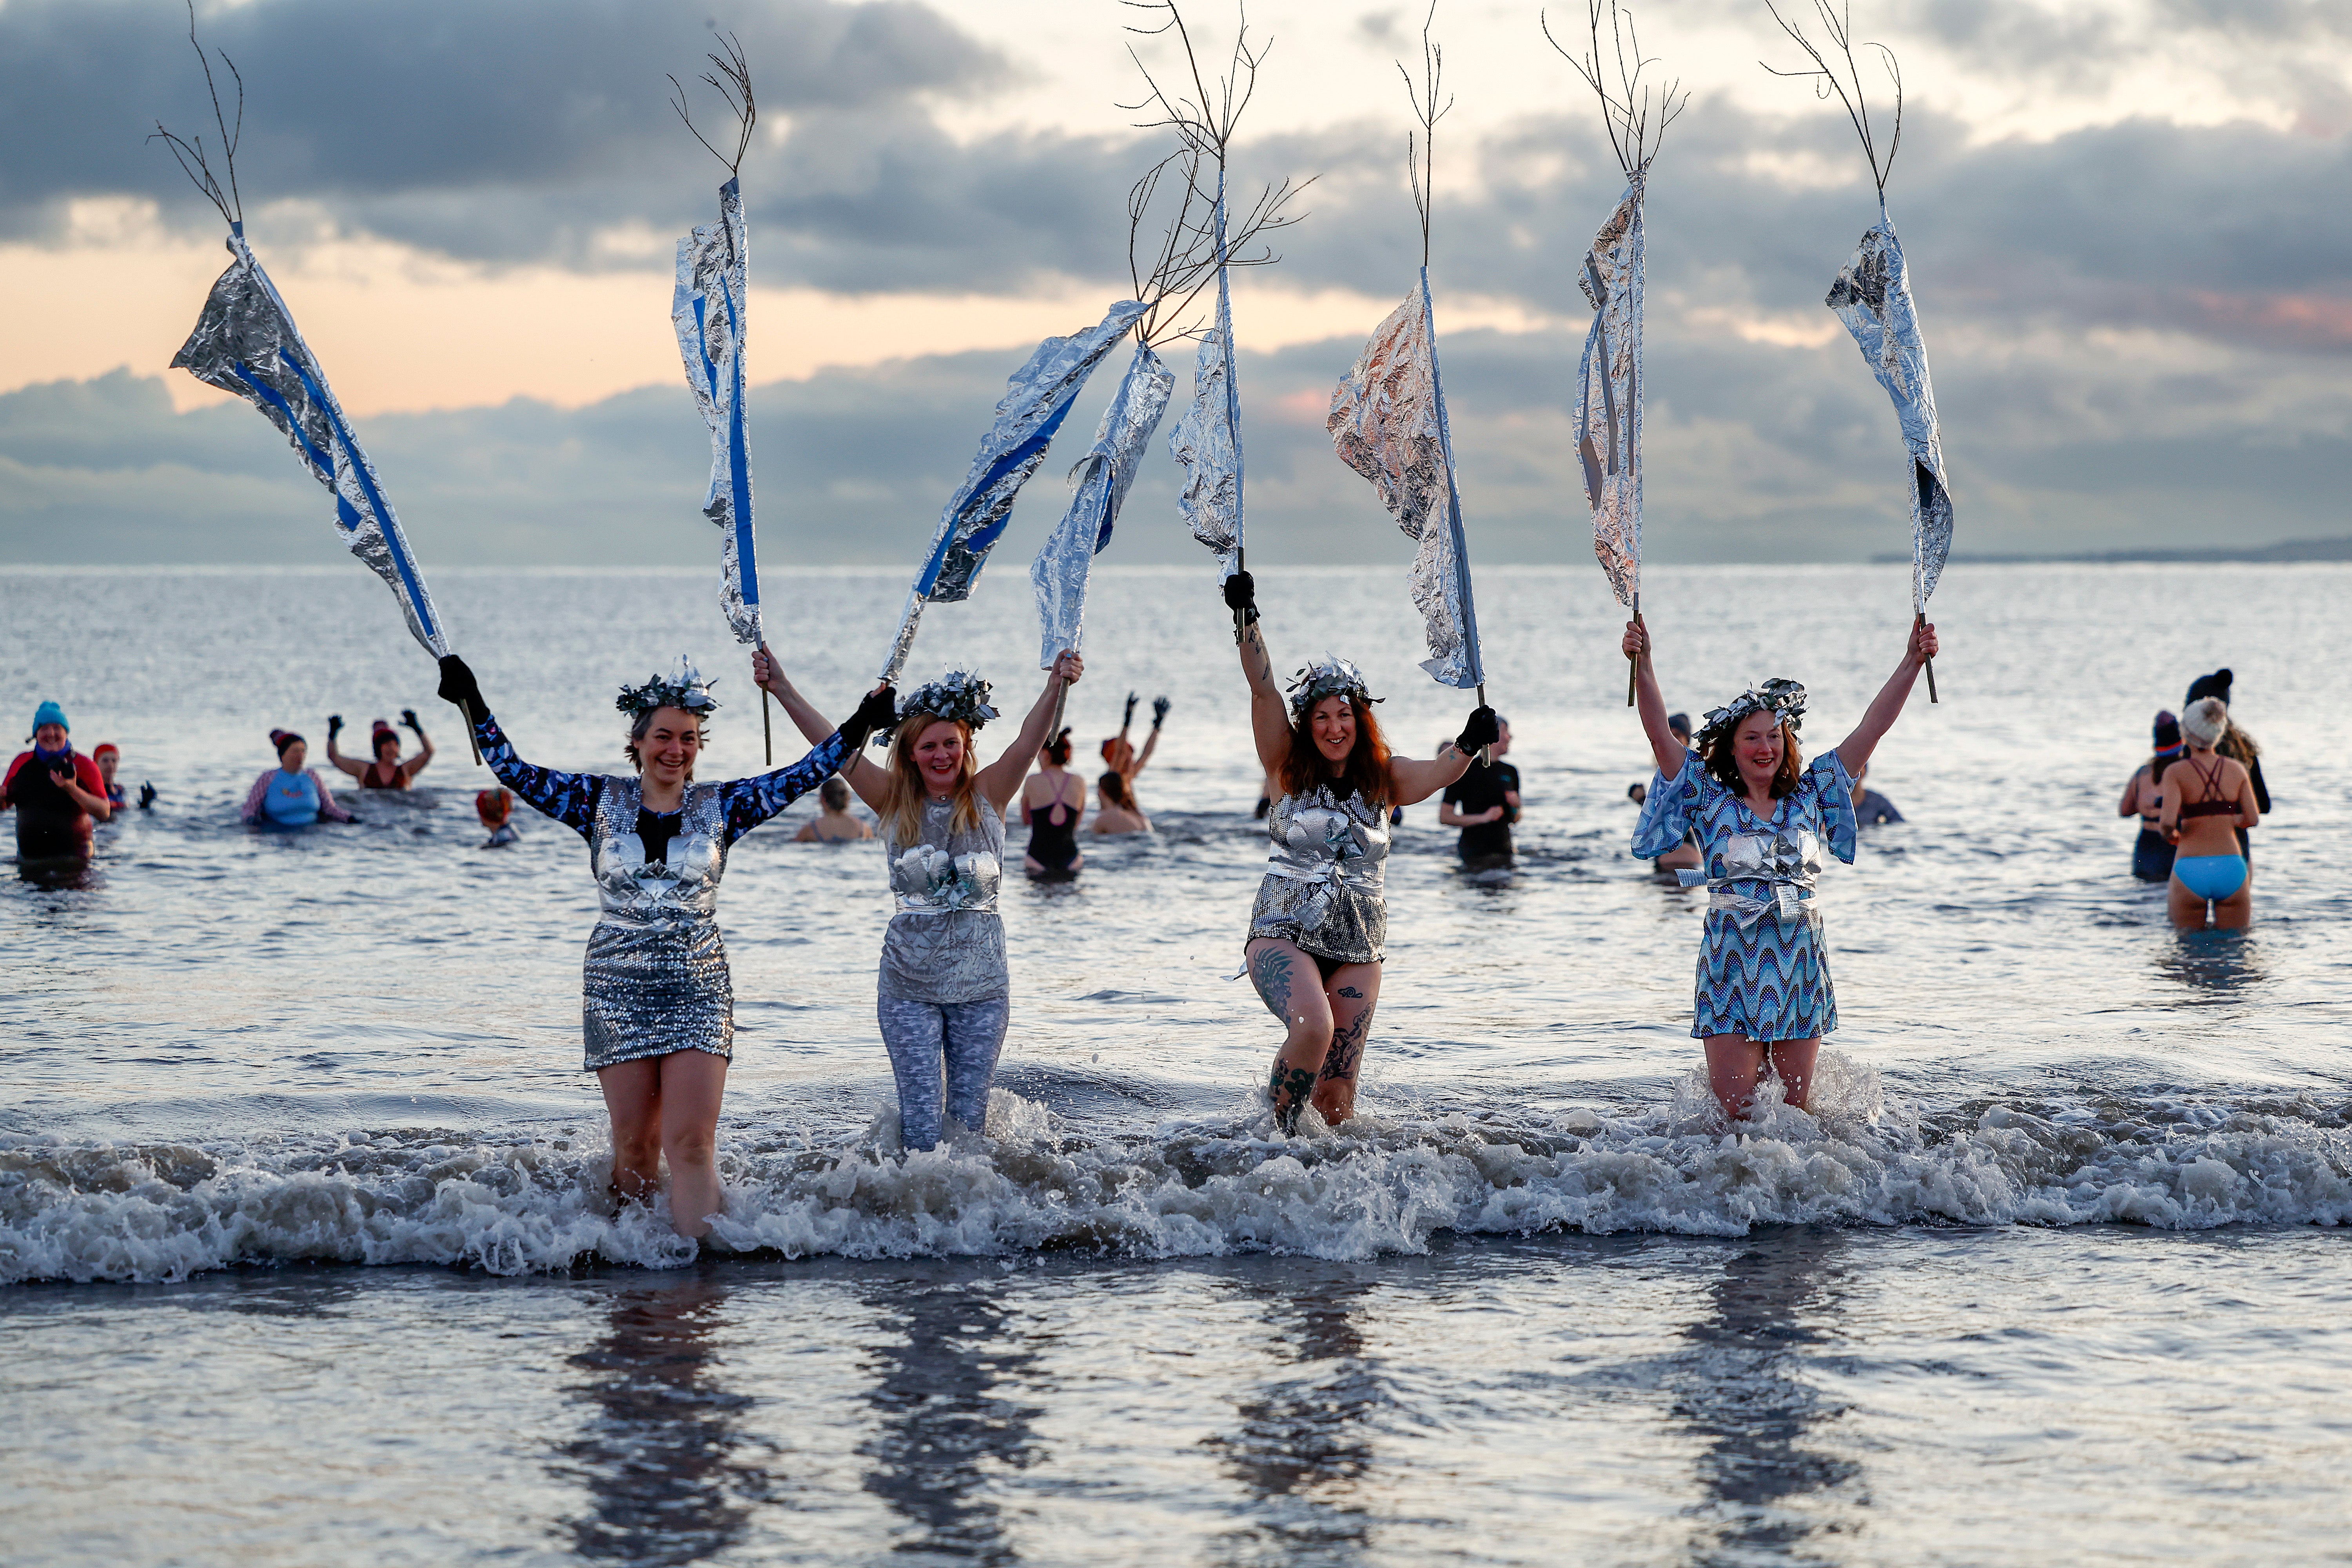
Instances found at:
x=952 y=868
x=1319 y=839
x=675 y=894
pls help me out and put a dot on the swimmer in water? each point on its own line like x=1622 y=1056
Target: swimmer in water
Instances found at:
x=658 y=1003
x=834 y=823
x=1763 y=817
x=59 y=796
x=2152 y=854
x=496 y=808
x=1051 y=801
x=1119 y=754
x=1118 y=814
x=291 y=795
x=387 y=771
x=2209 y=799
x=1683 y=857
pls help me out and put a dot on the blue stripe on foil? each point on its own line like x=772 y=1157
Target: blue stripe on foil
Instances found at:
x=1453 y=499
x=275 y=399
x=739 y=469
x=417 y=603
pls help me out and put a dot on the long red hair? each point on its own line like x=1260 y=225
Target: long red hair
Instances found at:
x=1304 y=766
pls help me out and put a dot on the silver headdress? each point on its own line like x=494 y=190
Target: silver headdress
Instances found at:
x=957 y=696
x=1784 y=698
x=1327 y=677
x=685 y=688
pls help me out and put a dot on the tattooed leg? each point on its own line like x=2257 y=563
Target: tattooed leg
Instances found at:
x=1287 y=982
x=1355 y=991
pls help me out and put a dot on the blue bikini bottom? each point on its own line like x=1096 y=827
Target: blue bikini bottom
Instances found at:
x=2210 y=876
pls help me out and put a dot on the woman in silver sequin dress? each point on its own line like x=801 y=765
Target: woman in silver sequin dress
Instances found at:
x=943 y=996
x=1321 y=917
x=657 y=1007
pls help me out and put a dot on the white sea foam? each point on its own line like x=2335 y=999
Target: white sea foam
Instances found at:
x=1386 y=1182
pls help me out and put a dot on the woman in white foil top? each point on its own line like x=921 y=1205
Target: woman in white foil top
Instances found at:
x=943 y=996
x=1321 y=922
x=657 y=1007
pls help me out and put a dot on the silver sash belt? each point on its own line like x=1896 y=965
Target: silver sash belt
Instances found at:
x=1789 y=900
x=666 y=923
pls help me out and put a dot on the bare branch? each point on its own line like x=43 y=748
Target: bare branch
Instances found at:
x=1420 y=155
x=190 y=155
x=1839 y=26
x=730 y=76
x=1636 y=113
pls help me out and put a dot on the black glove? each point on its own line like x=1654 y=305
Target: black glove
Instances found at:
x=146 y=795
x=334 y=725
x=408 y=717
x=878 y=712
x=458 y=685
x=355 y=820
x=1159 y=706
x=1129 y=716
x=1482 y=730
x=1241 y=594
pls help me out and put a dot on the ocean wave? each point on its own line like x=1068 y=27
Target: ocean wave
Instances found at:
x=1387 y=1183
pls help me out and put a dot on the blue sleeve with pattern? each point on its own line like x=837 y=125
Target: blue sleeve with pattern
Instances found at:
x=1667 y=812
x=1833 y=788
x=570 y=798
x=750 y=802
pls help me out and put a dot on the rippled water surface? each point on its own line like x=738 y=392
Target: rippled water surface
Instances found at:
x=2056 y=1270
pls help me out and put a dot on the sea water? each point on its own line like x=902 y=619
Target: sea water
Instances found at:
x=301 y=1191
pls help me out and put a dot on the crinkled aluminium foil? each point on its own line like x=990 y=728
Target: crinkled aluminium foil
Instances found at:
x=1207 y=442
x=1388 y=422
x=710 y=309
x=1873 y=297
x=246 y=342
x=1608 y=421
x=1102 y=477
x=1036 y=400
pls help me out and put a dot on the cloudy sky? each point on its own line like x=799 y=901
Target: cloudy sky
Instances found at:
x=2129 y=224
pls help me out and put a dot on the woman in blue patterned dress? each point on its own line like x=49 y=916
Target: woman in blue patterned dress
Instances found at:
x=657 y=1008
x=1762 y=818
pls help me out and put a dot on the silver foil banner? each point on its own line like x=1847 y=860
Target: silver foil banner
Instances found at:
x=1207 y=442
x=1609 y=396
x=1036 y=400
x=710 y=309
x=246 y=342
x=1102 y=477
x=1388 y=422
x=1872 y=297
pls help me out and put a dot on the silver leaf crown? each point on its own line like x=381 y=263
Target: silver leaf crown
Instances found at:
x=1327 y=677
x=683 y=689
x=957 y=696
x=1784 y=698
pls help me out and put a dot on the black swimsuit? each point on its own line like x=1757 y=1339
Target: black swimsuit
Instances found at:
x=1054 y=834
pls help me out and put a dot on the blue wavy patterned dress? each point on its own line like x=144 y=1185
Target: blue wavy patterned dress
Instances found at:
x=1763 y=969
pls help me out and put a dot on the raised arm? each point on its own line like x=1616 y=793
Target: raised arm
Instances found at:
x=750 y=802
x=1416 y=781
x=1855 y=748
x=871 y=781
x=415 y=764
x=1664 y=746
x=1143 y=757
x=335 y=753
x=568 y=798
x=1269 y=715
x=1003 y=777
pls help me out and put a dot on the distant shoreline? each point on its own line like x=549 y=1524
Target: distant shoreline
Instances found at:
x=2284 y=553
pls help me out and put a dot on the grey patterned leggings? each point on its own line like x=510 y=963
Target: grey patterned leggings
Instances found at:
x=920 y=1035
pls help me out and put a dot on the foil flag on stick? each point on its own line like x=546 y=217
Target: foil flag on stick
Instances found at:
x=1873 y=297
x=1388 y=422
x=1207 y=442
x=1036 y=400
x=1607 y=420
x=246 y=344
x=1102 y=479
x=708 y=310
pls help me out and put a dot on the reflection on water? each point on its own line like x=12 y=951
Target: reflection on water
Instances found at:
x=671 y=1475
x=1301 y=1444
x=945 y=1426
x=2219 y=963
x=1743 y=1391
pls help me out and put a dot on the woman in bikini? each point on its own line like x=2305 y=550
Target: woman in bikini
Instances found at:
x=1319 y=925
x=2208 y=800
x=387 y=772
x=1117 y=814
x=2151 y=854
x=1763 y=817
x=1051 y=801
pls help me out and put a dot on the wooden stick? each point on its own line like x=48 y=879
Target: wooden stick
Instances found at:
x=1485 y=753
x=465 y=713
x=1633 y=663
x=1920 y=619
x=767 y=735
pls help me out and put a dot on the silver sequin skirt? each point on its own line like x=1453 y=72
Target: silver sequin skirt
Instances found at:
x=646 y=993
x=1338 y=923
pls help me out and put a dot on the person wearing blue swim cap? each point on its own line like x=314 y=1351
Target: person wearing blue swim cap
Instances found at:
x=59 y=795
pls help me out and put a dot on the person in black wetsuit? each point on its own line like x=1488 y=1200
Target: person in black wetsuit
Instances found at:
x=1051 y=801
x=2236 y=745
x=1484 y=803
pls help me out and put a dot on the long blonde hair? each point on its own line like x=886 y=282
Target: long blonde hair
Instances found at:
x=902 y=808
